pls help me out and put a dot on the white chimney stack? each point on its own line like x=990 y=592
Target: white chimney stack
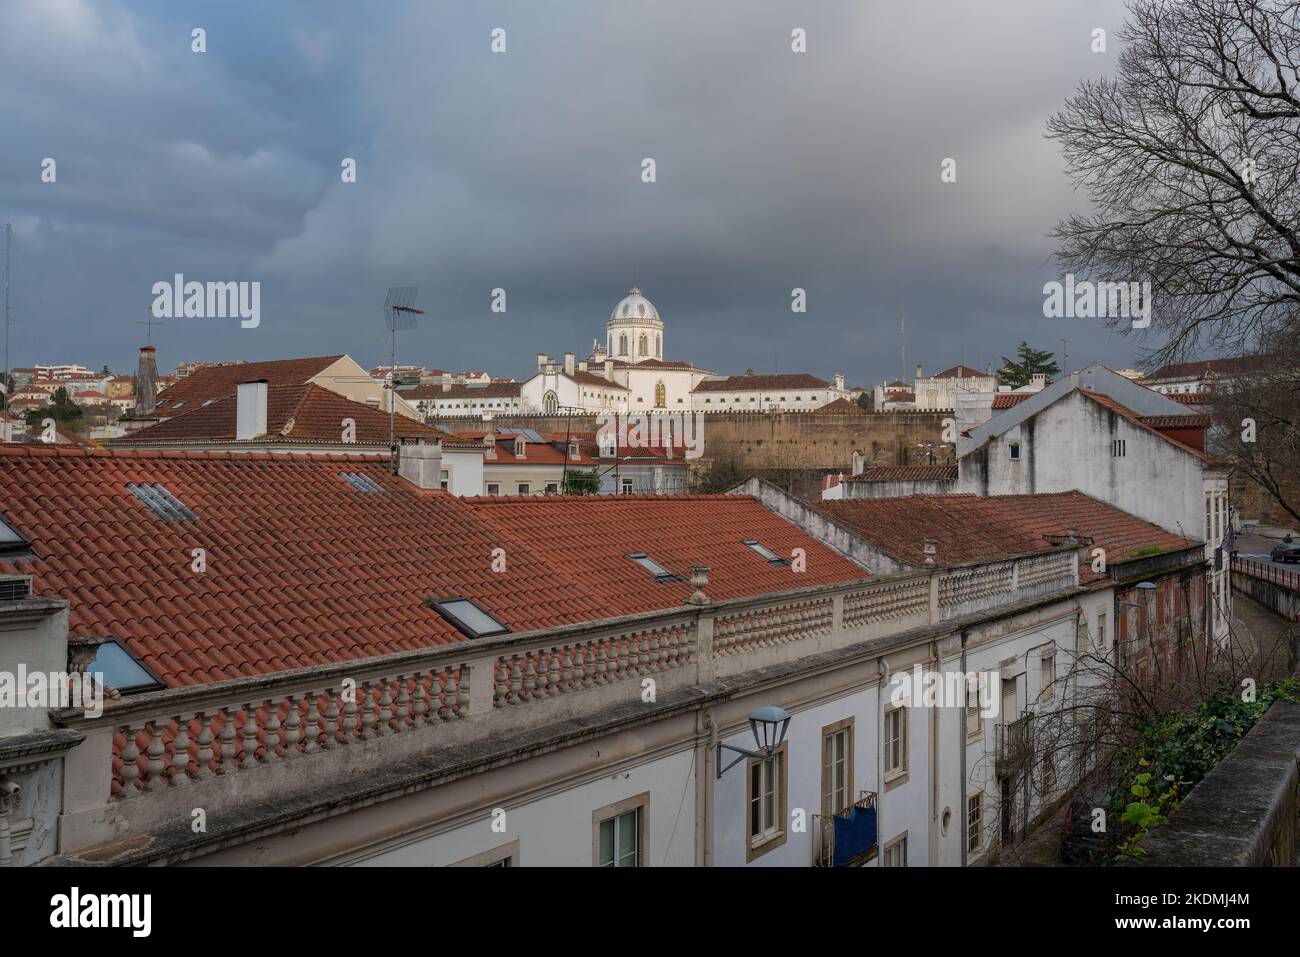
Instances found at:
x=421 y=464
x=250 y=410
x=568 y=363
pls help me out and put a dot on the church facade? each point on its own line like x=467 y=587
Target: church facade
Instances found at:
x=628 y=373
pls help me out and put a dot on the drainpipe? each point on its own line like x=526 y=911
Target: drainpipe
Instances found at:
x=710 y=788
x=935 y=796
x=961 y=751
x=882 y=669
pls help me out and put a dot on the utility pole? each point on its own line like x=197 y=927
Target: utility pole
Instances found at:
x=1065 y=355
x=9 y=240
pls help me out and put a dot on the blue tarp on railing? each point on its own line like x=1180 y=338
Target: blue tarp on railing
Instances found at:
x=855 y=834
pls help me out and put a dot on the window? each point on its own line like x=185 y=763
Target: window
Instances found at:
x=974 y=720
x=895 y=742
x=1118 y=448
x=767 y=797
x=1047 y=677
x=627 y=486
x=164 y=504
x=1047 y=780
x=1015 y=451
x=837 y=767
x=1101 y=631
x=896 y=852
x=468 y=618
x=12 y=544
x=619 y=839
x=975 y=822
x=444 y=478
x=1208 y=531
x=507 y=855
x=763 y=550
x=552 y=488
x=494 y=488
x=653 y=567
x=524 y=488
x=117 y=668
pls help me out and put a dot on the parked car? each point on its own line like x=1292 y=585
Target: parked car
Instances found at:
x=1080 y=844
x=1285 y=553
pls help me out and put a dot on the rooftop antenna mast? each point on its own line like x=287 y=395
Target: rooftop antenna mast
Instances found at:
x=4 y=393
x=902 y=343
x=399 y=313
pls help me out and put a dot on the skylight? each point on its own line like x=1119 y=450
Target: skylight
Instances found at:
x=469 y=618
x=12 y=544
x=362 y=483
x=117 y=668
x=653 y=567
x=763 y=550
x=161 y=502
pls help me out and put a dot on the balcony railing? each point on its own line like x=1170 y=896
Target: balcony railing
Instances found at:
x=1015 y=744
x=846 y=839
x=1270 y=573
x=274 y=731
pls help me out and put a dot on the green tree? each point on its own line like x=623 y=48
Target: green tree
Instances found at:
x=581 y=483
x=60 y=408
x=866 y=402
x=1028 y=362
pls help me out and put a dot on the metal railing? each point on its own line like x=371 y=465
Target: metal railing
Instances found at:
x=1267 y=572
x=1015 y=743
x=824 y=835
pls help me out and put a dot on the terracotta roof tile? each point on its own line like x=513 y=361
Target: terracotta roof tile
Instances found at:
x=972 y=528
x=217 y=382
x=1006 y=400
x=747 y=383
x=892 y=473
x=304 y=569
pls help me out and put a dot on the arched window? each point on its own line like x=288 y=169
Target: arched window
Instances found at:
x=622 y=344
x=645 y=344
x=661 y=395
x=550 y=404
x=659 y=347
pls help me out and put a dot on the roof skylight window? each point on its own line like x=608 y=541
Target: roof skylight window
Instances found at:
x=362 y=483
x=653 y=567
x=763 y=550
x=161 y=502
x=117 y=668
x=12 y=544
x=468 y=618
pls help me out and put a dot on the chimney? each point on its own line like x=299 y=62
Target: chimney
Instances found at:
x=931 y=549
x=521 y=447
x=542 y=360
x=839 y=381
x=918 y=370
x=609 y=369
x=250 y=410
x=859 y=462
x=574 y=453
x=421 y=464
x=1072 y=536
x=490 y=440
x=568 y=363
x=146 y=382
x=446 y=385
x=1038 y=380
x=582 y=366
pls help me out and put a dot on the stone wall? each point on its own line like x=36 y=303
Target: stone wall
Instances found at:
x=1243 y=813
x=787 y=440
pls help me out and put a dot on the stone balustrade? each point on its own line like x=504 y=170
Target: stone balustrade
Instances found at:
x=392 y=707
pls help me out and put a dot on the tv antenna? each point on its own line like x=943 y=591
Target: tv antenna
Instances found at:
x=399 y=313
x=148 y=323
x=4 y=393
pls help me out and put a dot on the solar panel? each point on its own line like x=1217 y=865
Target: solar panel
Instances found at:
x=362 y=483
x=161 y=502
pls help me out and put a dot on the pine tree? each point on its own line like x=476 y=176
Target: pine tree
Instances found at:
x=1031 y=362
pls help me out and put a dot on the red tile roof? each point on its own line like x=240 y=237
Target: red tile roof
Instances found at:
x=916 y=473
x=217 y=382
x=434 y=390
x=1191 y=398
x=971 y=528
x=748 y=383
x=841 y=405
x=1235 y=365
x=294 y=414
x=1143 y=423
x=304 y=569
x=961 y=372
x=1006 y=400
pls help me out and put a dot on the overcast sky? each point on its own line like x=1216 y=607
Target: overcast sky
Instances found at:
x=522 y=170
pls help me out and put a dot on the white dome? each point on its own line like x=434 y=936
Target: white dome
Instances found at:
x=635 y=307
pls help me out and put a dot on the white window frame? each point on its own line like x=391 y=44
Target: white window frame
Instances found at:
x=895 y=743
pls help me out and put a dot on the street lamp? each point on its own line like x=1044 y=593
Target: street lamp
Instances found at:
x=768 y=725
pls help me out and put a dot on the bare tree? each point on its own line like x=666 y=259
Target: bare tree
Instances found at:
x=1190 y=155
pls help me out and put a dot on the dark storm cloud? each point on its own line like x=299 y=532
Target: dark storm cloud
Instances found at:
x=522 y=171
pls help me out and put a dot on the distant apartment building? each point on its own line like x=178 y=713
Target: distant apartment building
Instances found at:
x=1195 y=378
